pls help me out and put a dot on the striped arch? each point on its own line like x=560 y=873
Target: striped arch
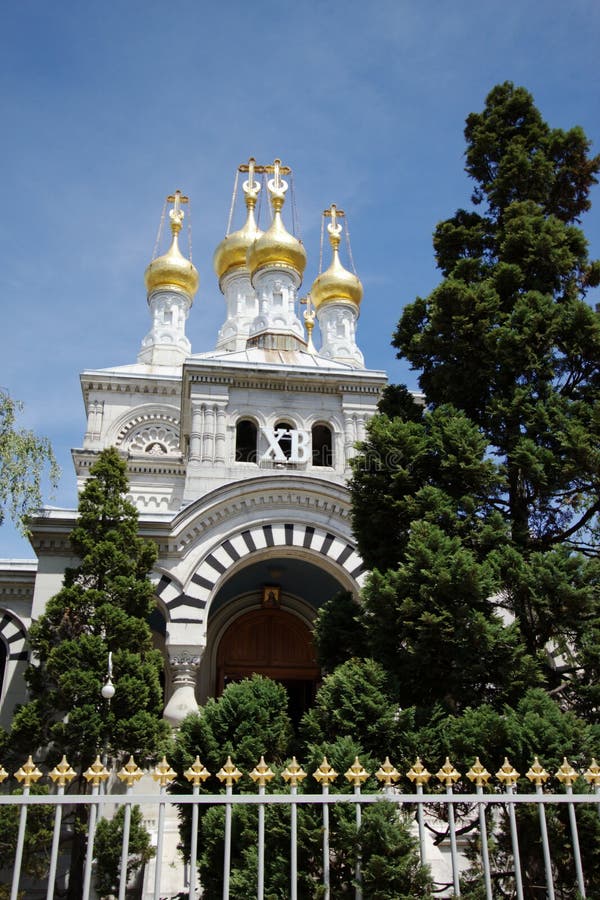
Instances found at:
x=190 y=606
x=14 y=633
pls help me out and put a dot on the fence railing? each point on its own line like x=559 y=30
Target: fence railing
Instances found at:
x=487 y=801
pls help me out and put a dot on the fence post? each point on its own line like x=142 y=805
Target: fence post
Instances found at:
x=567 y=775
x=325 y=775
x=163 y=774
x=229 y=773
x=509 y=776
x=28 y=774
x=356 y=775
x=95 y=775
x=448 y=775
x=480 y=776
x=420 y=776
x=261 y=775
x=293 y=774
x=538 y=775
x=196 y=774
x=130 y=774
x=61 y=775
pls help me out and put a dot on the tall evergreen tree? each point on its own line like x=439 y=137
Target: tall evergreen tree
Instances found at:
x=506 y=459
x=509 y=339
x=102 y=607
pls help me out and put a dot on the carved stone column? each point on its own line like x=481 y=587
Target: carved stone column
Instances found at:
x=196 y=432
x=184 y=667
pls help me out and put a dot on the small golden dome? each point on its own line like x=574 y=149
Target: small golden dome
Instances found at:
x=231 y=252
x=173 y=270
x=336 y=283
x=277 y=247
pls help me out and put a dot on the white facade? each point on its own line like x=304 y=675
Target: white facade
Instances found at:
x=237 y=457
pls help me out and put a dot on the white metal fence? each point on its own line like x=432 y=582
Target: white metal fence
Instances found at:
x=486 y=802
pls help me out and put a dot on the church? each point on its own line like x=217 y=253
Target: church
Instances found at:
x=238 y=459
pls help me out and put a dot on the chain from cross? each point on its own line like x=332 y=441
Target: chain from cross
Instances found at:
x=176 y=214
x=334 y=214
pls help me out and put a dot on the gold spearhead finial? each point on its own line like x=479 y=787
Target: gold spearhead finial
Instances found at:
x=592 y=775
x=478 y=774
x=197 y=773
x=387 y=773
x=448 y=774
x=507 y=774
x=96 y=773
x=28 y=773
x=293 y=773
x=229 y=773
x=261 y=774
x=356 y=774
x=130 y=773
x=163 y=773
x=325 y=774
x=537 y=773
x=418 y=773
x=3 y=774
x=62 y=774
x=566 y=774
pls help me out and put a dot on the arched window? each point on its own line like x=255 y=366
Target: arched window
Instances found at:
x=245 y=441
x=285 y=443
x=322 y=446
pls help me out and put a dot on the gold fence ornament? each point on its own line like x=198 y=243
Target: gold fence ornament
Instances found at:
x=592 y=775
x=293 y=773
x=163 y=773
x=262 y=773
x=130 y=773
x=387 y=773
x=229 y=773
x=537 y=773
x=3 y=774
x=197 y=773
x=478 y=774
x=325 y=774
x=96 y=774
x=566 y=773
x=418 y=773
x=356 y=774
x=448 y=774
x=28 y=773
x=62 y=774
x=507 y=774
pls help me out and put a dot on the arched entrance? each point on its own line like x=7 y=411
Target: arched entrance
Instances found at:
x=275 y=643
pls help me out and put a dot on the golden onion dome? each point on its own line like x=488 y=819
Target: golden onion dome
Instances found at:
x=173 y=270
x=231 y=252
x=336 y=283
x=277 y=247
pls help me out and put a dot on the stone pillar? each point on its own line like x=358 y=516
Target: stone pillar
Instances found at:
x=196 y=433
x=220 y=435
x=349 y=437
x=184 y=664
x=208 y=438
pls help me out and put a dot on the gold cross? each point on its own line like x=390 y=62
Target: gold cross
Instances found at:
x=176 y=214
x=278 y=170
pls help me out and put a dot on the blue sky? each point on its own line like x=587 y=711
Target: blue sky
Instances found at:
x=106 y=108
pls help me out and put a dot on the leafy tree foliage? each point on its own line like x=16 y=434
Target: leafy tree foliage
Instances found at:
x=24 y=458
x=107 y=850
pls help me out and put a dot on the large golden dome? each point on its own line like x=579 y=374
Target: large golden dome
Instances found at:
x=336 y=283
x=277 y=247
x=231 y=252
x=172 y=270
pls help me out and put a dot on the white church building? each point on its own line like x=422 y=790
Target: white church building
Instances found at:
x=238 y=459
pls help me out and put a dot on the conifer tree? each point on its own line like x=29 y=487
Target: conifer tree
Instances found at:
x=103 y=607
x=506 y=459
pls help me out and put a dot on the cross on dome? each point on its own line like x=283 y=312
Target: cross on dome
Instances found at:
x=176 y=214
x=277 y=185
x=334 y=228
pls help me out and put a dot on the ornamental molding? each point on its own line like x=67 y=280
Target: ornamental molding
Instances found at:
x=128 y=426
